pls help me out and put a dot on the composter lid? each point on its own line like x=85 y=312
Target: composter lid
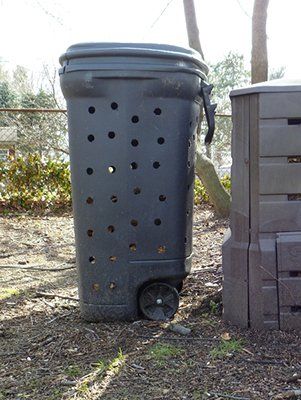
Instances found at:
x=273 y=86
x=179 y=56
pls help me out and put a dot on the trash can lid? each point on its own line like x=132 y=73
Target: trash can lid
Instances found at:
x=273 y=86
x=153 y=50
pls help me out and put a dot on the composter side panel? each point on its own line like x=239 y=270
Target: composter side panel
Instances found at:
x=236 y=244
x=289 y=282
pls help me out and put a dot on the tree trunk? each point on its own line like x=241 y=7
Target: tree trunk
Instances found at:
x=204 y=166
x=259 y=60
x=192 y=26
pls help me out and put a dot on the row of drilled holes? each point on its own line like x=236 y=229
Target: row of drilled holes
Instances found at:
x=114 y=198
x=132 y=247
x=96 y=286
x=134 y=142
x=133 y=165
x=134 y=119
x=133 y=222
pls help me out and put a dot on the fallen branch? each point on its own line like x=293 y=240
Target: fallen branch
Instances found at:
x=294 y=378
x=290 y=394
x=228 y=396
x=35 y=268
x=178 y=338
x=53 y=295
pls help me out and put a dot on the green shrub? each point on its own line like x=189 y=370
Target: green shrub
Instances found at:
x=32 y=183
x=200 y=194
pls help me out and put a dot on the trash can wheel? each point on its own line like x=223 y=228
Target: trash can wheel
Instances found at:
x=159 y=301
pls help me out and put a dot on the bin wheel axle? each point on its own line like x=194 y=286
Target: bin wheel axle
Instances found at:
x=159 y=301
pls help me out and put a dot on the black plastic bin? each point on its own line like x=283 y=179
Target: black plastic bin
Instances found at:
x=133 y=111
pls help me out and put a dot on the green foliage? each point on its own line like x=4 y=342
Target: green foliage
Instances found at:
x=200 y=194
x=227 y=348
x=37 y=184
x=32 y=183
x=225 y=75
x=161 y=352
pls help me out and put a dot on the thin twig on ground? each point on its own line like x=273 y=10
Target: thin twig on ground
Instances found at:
x=36 y=268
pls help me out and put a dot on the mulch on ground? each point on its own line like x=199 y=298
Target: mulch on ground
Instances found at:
x=48 y=352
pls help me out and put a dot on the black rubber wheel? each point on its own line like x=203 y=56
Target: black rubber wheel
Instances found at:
x=159 y=301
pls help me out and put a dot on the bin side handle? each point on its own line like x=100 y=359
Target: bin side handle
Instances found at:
x=209 y=110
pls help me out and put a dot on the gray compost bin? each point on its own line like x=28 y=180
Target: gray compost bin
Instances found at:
x=133 y=112
x=262 y=252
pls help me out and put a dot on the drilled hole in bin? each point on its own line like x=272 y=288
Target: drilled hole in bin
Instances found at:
x=190 y=124
x=112 y=285
x=157 y=111
x=89 y=171
x=157 y=221
x=161 y=140
x=156 y=164
x=134 y=222
x=133 y=247
x=114 y=198
x=92 y=259
x=134 y=142
x=134 y=165
x=188 y=164
x=90 y=232
x=137 y=190
x=111 y=169
x=111 y=134
x=95 y=287
x=135 y=119
x=187 y=212
x=113 y=258
x=91 y=138
x=162 y=197
x=188 y=187
x=193 y=137
x=89 y=200
x=111 y=228
x=91 y=110
x=185 y=240
x=161 y=249
x=189 y=143
x=114 y=105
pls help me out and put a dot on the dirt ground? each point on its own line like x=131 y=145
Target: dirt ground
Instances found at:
x=48 y=352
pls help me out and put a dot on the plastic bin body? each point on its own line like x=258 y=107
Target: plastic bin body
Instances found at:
x=133 y=111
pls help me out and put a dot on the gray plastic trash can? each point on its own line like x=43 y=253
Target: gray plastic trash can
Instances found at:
x=133 y=110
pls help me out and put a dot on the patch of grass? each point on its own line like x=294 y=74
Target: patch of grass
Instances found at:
x=213 y=307
x=73 y=371
x=6 y=293
x=226 y=348
x=102 y=368
x=55 y=395
x=161 y=352
x=117 y=363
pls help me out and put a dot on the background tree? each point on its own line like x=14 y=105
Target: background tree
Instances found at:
x=204 y=166
x=259 y=60
x=225 y=75
x=43 y=133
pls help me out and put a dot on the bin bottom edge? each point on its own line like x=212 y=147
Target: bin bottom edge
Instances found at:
x=112 y=312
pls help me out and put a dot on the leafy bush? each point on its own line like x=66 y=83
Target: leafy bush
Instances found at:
x=32 y=183
x=200 y=194
x=35 y=184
